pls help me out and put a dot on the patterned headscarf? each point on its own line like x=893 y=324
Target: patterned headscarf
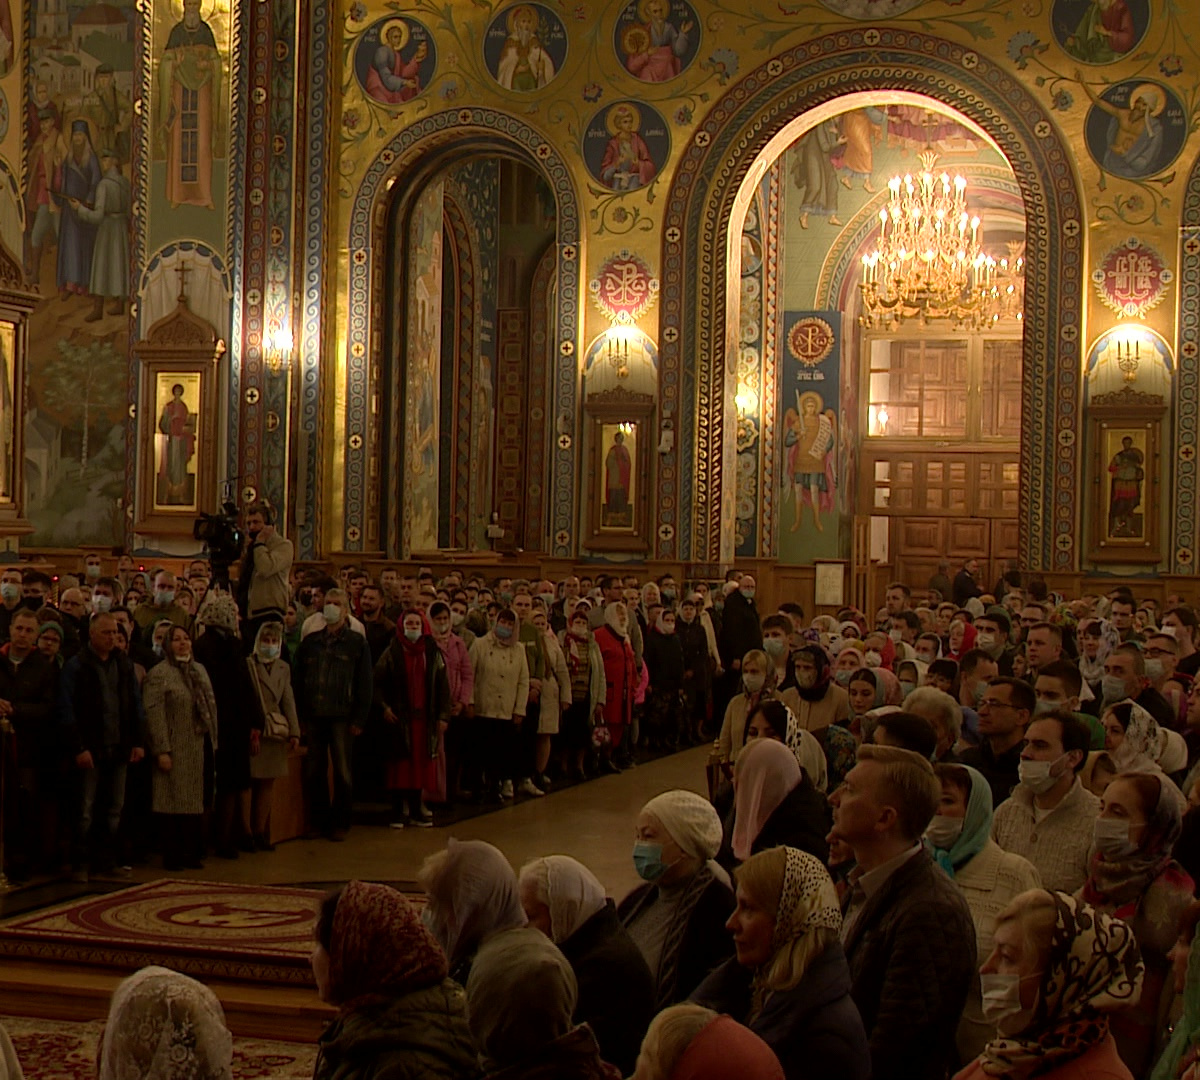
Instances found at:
x=808 y=899
x=379 y=946
x=1094 y=968
x=165 y=1026
x=219 y=610
x=1140 y=747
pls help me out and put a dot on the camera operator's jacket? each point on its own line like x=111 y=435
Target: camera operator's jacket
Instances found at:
x=269 y=584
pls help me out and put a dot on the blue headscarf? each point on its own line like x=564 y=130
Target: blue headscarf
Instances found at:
x=977 y=825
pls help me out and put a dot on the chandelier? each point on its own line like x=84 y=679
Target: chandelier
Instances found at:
x=929 y=263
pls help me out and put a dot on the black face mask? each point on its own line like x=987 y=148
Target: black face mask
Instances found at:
x=33 y=603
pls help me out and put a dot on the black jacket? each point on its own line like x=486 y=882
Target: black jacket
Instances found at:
x=703 y=944
x=965 y=587
x=911 y=950
x=79 y=691
x=616 y=989
x=391 y=690
x=814 y=1028
x=238 y=708
x=30 y=687
x=801 y=821
x=741 y=629
x=663 y=654
x=331 y=677
x=1000 y=772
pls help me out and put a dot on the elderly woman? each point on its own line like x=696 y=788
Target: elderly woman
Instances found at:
x=690 y=1042
x=164 y=1026
x=585 y=669
x=1133 y=876
x=774 y=804
x=677 y=917
x=1058 y=971
x=564 y=900
x=821 y=701
x=522 y=995
x=399 y=1016
x=789 y=982
x=412 y=694
x=272 y=679
x=758 y=684
x=181 y=718
x=239 y=716
x=472 y=894
x=621 y=679
x=989 y=877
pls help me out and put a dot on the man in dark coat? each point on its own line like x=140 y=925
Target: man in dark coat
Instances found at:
x=741 y=631
x=965 y=585
x=906 y=928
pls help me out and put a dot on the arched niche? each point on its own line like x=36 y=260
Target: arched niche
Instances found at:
x=703 y=212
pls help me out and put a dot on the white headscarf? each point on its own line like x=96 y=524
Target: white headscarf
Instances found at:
x=616 y=615
x=569 y=889
x=165 y=1026
x=690 y=820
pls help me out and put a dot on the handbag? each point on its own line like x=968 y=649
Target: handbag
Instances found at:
x=275 y=724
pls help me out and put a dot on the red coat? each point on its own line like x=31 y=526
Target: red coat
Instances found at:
x=620 y=675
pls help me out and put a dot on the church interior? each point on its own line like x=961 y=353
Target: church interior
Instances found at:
x=832 y=292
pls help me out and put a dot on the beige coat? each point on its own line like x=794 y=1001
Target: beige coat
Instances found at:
x=501 y=678
x=274 y=682
x=733 y=730
x=556 y=686
x=833 y=708
x=175 y=728
x=269 y=587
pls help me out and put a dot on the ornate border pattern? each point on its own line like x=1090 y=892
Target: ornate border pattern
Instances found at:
x=465 y=258
x=769 y=468
x=1186 y=526
x=407 y=152
x=696 y=222
x=538 y=414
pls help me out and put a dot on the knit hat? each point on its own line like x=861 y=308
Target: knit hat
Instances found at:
x=691 y=821
x=999 y=615
x=53 y=627
x=220 y=610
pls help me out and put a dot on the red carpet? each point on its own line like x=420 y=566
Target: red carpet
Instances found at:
x=252 y=933
x=52 y=1050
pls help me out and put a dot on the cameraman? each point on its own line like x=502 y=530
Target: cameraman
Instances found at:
x=263 y=592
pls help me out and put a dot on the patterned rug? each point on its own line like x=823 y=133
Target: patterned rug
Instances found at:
x=51 y=1050
x=244 y=932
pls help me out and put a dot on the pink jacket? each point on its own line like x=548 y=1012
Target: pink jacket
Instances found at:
x=458 y=669
x=1101 y=1062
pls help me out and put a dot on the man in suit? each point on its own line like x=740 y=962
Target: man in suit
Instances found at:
x=906 y=928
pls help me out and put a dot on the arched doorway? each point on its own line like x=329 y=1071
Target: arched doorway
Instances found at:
x=703 y=212
x=398 y=174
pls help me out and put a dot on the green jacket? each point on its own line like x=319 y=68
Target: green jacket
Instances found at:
x=418 y=1036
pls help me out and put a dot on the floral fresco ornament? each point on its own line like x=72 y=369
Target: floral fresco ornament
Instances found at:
x=1132 y=279
x=624 y=289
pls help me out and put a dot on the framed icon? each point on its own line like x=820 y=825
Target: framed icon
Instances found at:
x=621 y=439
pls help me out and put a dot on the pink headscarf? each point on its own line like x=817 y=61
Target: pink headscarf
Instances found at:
x=890 y=691
x=725 y=1048
x=766 y=773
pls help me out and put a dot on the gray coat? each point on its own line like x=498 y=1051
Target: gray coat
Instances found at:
x=274 y=682
x=176 y=728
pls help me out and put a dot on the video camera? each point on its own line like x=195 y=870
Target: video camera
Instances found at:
x=222 y=539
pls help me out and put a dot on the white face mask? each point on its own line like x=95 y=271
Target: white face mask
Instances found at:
x=332 y=613
x=754 y=682
x=896 y=635
x=1111 y=837
x=1113 y=688
x=872 y=658
x=944 y=831
x=1154 y=669
x=926 y=657
x=1002 y=1002
x=1037 y=775
x=984 y=641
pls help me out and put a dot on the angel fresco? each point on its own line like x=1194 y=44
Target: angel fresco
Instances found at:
x=811 y=442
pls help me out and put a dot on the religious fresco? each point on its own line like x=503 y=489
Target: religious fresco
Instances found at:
x=176 y=446
x=657 y=40
x=394 y=60
x=626 y=145
x=525 y=47
x=1099 y=31
x=1135 y=129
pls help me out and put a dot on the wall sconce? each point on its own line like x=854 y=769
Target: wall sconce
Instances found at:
x=746 y=401
x=618 y=339
x=278 y=348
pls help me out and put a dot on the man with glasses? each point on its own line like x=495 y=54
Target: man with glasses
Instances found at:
x=1004 y=713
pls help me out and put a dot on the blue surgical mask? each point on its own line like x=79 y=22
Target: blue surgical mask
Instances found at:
x=101 y=603
x=413 y=633
x=503 y=631
x=332 y=613
x=158 y=649
x=648 y=862
x=907 y=686
x=10 y=591
x=842 y=678
x=92 y=571
x=268 y=652
x=774 y=648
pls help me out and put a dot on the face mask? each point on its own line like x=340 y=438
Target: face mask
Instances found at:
x=506 y=598
x=1154 y=669
x=774 y=648
x=806 y=680
x=872 y=658
x=943 y=831
x=547 y=599
x=754 y=683
x=668 y=595
x=441 y=628
x=842 y=678
x=1113 y=688
x=412 y=633
x=896 y=635
x=907 y=687
x=926 y=657
x=92 y=572
x=503 y=631
x=457 y=618
x=10 y=591
x=101 y=604
x=719 y=605
x=668 y=628
x=647 y=860
x=580 y=630
x=158 y=649
x=747 y=593
x=1111 y=837
x=1044 y=708
x=1002 y=1002
x=268 y=652
x=984 y=641
x=332 y=614
x=1036 y=775
x=164 y=597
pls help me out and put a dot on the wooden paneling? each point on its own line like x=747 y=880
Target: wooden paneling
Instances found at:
x=919 y=536
x=968 y=536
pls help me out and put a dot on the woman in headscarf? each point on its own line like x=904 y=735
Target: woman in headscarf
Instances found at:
x=181 y=720
x=412 y=693
x=1181 y=1054
x=989 y=877
x=774 y=805
x=522 y=996
x=1097 y=638
x=565 y=901
x=774 y=720
x=677 y=917
x=239 y=716
x=555 y=699
x=399 y=1016
x=663 y=723
x=472 y=894
x=271 y=677
x=164 y=1026
x=585 y=669
x=1133 y=876
x=621 y=678
x=757 y=684
x=690 y=1042
x=879 y=651
x=849 y=660
x=961 y=639
x=1131 y=738
x=1058 y=971
x=824 y=710
x=789 y=982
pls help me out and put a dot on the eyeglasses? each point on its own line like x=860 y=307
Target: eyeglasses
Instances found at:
x=994 y=703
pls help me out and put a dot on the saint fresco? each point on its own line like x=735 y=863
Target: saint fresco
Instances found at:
x=525 y=47
x=1134 y=129
x=657 y=39
x=395 y=60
